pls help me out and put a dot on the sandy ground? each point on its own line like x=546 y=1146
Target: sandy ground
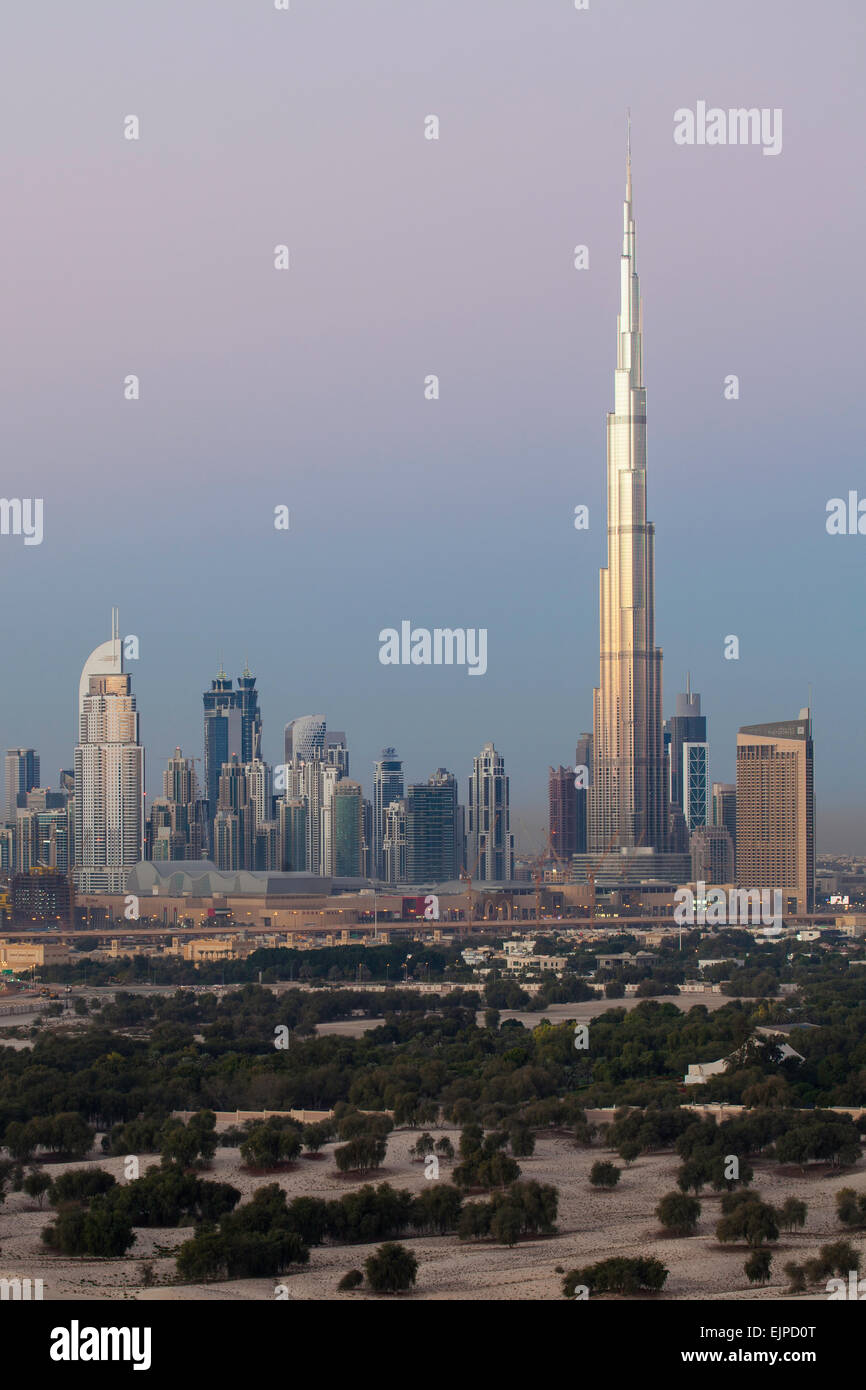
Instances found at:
x=592 y=1225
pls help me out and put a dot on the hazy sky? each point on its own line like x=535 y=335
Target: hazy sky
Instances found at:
x=409 y=257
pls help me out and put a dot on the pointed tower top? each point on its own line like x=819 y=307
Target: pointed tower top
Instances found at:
x=628 y=156
x=117 y=654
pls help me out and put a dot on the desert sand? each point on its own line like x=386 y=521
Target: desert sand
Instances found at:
x=592 y=1225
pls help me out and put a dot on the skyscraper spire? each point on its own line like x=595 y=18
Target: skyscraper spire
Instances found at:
x=627 y=796
x=628 y=157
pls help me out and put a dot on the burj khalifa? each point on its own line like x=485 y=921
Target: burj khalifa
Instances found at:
x=627 y=807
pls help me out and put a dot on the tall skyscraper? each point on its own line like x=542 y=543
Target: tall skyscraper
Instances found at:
x=432 y=830
x=394 y=842
x=304 y=738
x=491 y=843
x=627 y=793
x=109 y=773
x=251 y=719
x=223 y=736
x=187 y=823
x=234 y=804
x=348 y=815
x=688 y=753
x=776 y=809
x=337 y=751
x=582 y=758
x=292 y=823
x=22 y=775
x=725 y=808
x=387 y=787
x=562 y=811
x=367 y=852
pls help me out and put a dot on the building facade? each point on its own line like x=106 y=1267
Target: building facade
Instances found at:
x=109 y=775
x=490 y=841
x=776 y=809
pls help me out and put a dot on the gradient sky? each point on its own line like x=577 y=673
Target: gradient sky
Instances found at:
x=412 y=257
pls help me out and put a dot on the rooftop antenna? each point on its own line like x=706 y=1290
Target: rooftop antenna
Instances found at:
x=115 y=628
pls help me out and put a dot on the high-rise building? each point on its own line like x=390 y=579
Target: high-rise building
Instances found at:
x=627 y=793
x=251 y=719
x=328 y=780
x=725 y=808
x=54 y=838
x=582 y=759
x=227 y=840
x=266 y=851
x=712 y=852
x=432 y=830
x=316 y=760
x=162 y=842
x=491 y=843
x=348 y=814
x=292 y=822
x=337 y=751
x=109 y=773
x=233 y=800
x=394 y=842
x=562 y=811
x=776 y=809
x=367 y=852
x=223 y=735
x=387 y=787
x=304 y=738
x=187 y=813
x=688 y=754
x=22 y=775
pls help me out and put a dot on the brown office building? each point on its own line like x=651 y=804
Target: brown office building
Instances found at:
x=776 y=809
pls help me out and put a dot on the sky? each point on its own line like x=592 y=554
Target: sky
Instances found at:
x=408 y=257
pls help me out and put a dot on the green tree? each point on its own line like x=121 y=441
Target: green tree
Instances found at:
x=391 y=1269
x=314 y=1137
x=604 y=1175
x=679 y=1213
x=506 y=1224
x=796 y=1277
x=79 y=1185
x=362 y=1154
x=617 y=1275
x=757 y=1267
x=36 y=1184
x=850 y=1207
x=792 y=1213
x=747 y=1218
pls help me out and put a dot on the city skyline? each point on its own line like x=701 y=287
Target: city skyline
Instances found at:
x=258 y=390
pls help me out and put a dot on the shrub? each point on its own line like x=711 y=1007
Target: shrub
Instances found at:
x=604 y=1175
x=391 y=1269
x=618 y=1275
x=679 y=1213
